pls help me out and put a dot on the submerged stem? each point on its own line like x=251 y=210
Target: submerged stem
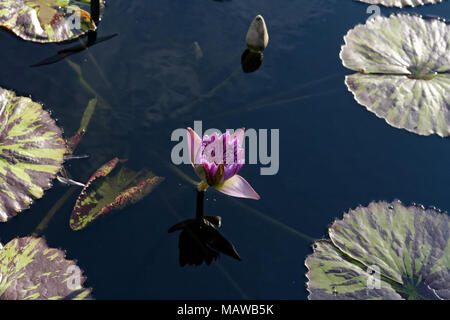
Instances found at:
x=58 y=204
x=275 y=222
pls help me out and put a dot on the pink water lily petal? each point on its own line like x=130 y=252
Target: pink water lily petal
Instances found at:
x=238 y=187
x=194 y=144
x=239 y=134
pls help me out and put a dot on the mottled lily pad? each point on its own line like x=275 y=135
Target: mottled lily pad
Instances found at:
x=30 y=270
x=404 y=71
x=111 y=187
x=46 y=20
x=383 y=251
x=400 y=3
x=31 y=152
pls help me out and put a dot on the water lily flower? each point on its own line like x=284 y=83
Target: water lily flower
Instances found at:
x=217 y=159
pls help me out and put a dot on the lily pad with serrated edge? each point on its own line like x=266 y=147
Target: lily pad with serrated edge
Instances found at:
x=105 y=192
x=31 y=152
x=404 y=71
x=408 y=246
x=30 y=270
x=400 y=3
x=46 y=20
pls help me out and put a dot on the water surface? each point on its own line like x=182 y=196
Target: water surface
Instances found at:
x=334 y=155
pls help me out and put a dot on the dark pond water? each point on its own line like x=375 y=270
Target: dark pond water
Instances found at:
x=334 y=155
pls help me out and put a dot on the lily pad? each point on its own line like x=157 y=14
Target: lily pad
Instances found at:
x=46 y=20
x=30 y=270
x=105 y=192
x=404 y=71
x=400 y=3
x=383 y=251
x=31 y=152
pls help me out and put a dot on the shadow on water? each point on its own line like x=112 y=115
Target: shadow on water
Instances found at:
x=65 y=53
x=251 y=61
x=200 y=241
x=194 y=247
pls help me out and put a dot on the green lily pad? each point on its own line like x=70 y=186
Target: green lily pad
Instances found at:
x=400 y=3
x=105 y=192
x=404 y=71
x=332 y=276
x=46 y=20
x=31 y=152
x=30 y=270
x=383 y=251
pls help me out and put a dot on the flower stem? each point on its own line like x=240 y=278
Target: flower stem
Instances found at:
x=202 y=186
x=95 y=11
x=200 y=202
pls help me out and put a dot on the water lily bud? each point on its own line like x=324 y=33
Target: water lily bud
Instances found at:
x=257 y=36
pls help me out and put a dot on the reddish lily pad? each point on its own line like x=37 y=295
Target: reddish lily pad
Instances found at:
x=105 y=192
x=30 y=270
x=31 y=152
x=46 y=20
